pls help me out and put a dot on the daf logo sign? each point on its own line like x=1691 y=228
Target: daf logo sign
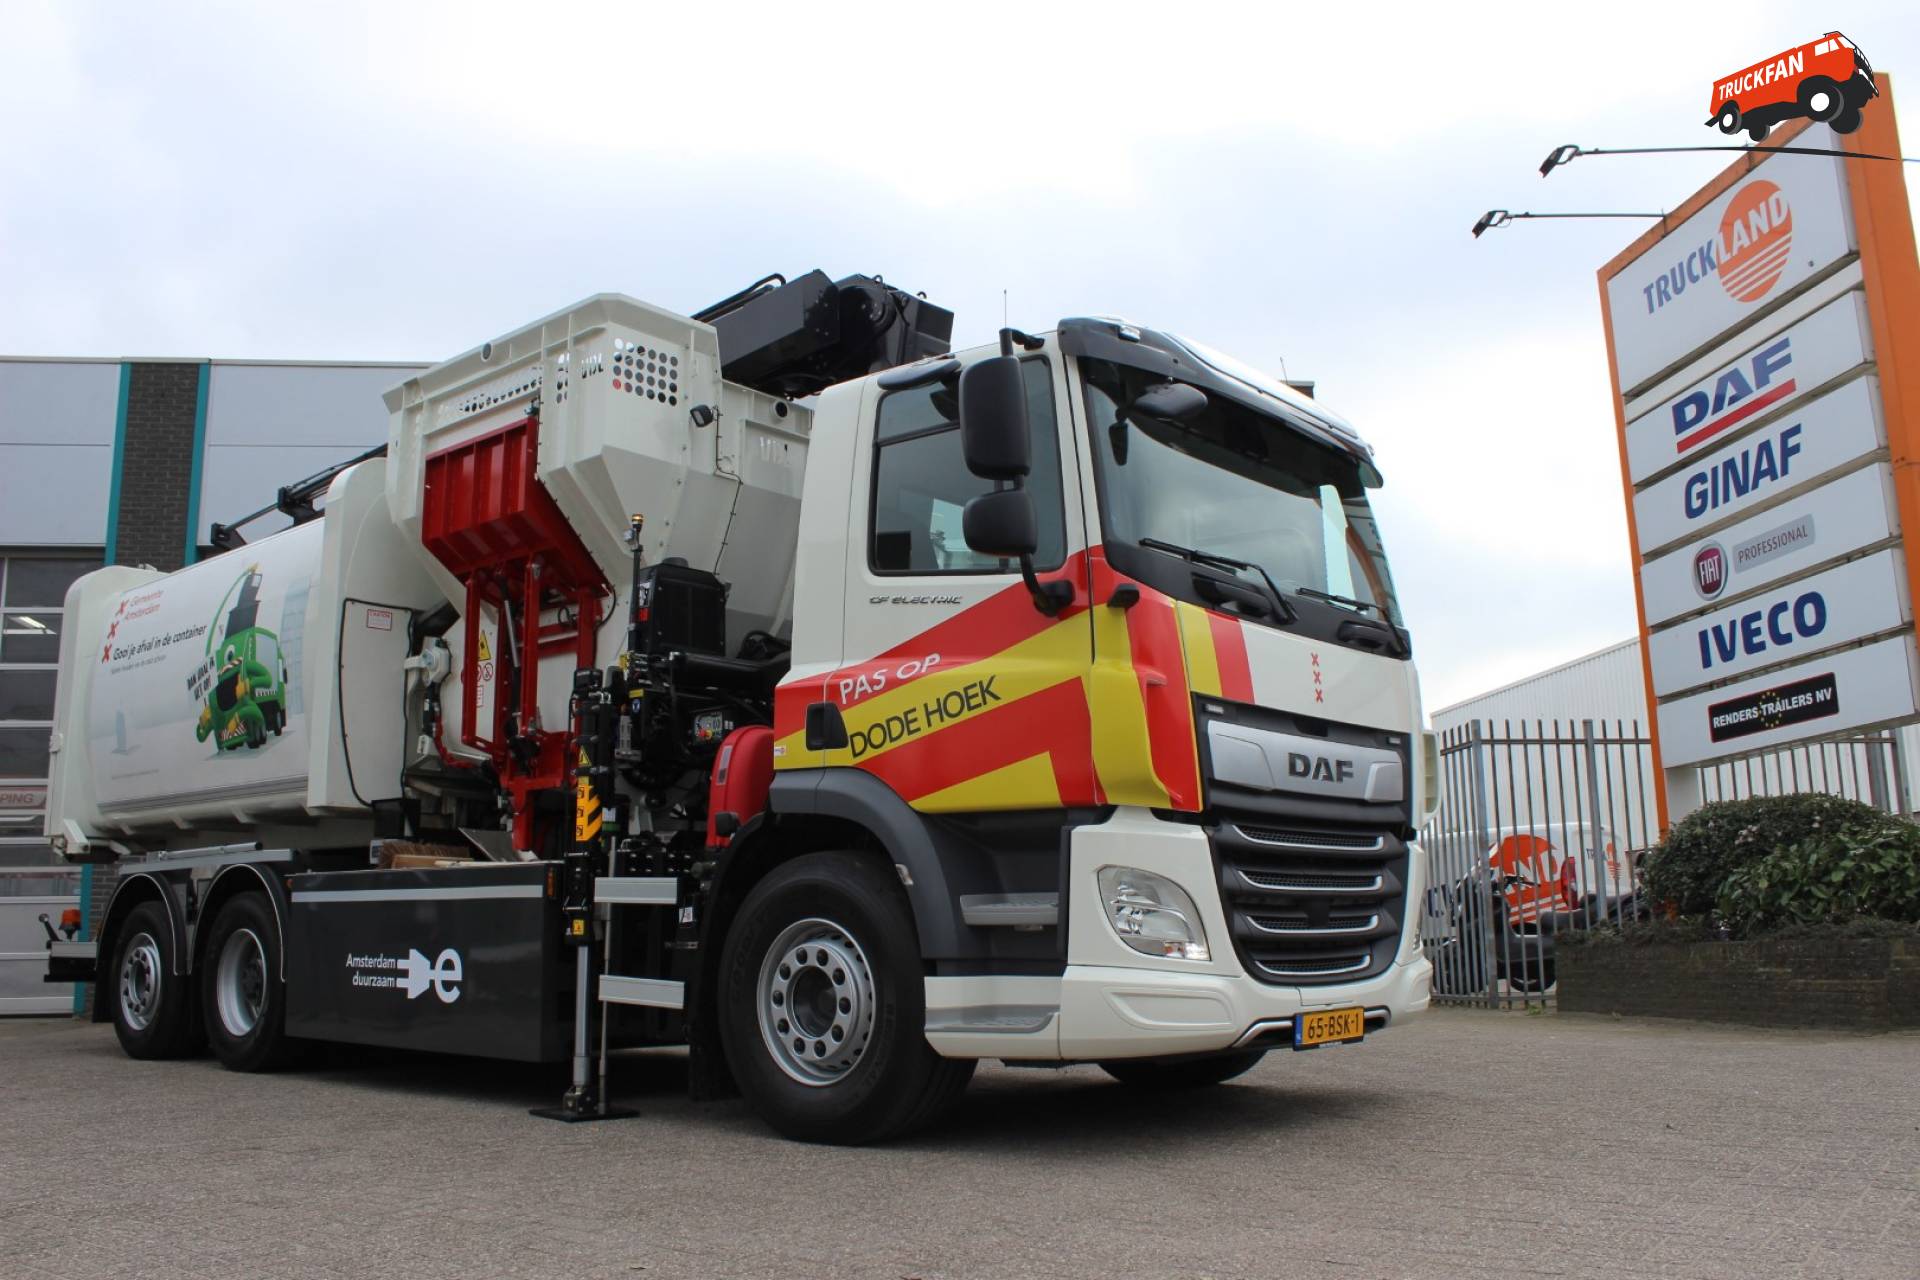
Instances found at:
x=1259 y=759
x=1318 y=768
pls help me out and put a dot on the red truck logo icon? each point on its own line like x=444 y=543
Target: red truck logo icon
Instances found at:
x=1827 y=80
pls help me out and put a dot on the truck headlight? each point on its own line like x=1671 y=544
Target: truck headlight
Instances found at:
x=1152 y=914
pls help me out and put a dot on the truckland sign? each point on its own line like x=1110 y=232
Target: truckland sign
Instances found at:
x=197 y=678
x=1734 y=260
x=1755 y=360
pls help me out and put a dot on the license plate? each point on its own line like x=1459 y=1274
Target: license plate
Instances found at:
x=1329 y=1026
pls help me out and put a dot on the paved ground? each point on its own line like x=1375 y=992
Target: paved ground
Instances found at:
x=1468 y=1143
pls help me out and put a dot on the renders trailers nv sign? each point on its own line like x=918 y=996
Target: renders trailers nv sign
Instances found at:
x=776 y=682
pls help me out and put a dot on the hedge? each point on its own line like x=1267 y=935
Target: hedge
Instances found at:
x=1755 y=866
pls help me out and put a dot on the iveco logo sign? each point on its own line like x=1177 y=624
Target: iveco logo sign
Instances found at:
x=1319 y=768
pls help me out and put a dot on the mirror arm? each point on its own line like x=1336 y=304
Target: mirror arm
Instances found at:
x=1048 y=597
x=1026 y=341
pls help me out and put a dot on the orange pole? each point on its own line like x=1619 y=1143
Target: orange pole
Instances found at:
x=1884 y=223
x=1633 y=560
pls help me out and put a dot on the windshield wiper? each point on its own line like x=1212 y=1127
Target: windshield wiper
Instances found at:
x=1328 y=595
x=1284 y=612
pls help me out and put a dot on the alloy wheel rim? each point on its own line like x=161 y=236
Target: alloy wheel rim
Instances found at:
x=141 y=976
x=817 y=1000
x=240 y=982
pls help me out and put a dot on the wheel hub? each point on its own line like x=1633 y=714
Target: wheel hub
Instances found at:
x=816 y=1001
x=141 y=975
x=240 y=982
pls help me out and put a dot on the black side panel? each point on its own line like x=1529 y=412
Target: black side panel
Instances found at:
x=947 y=856
x=461 y=960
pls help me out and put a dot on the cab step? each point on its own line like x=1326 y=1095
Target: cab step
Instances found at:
x=1010 y=910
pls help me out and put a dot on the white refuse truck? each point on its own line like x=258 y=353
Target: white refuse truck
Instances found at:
x=773 y=681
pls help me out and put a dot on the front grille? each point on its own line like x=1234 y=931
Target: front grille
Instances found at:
x=1301 y=922
x=1308 y=906
x=1308 y=881
x=1313 y=839
x=1315 y=970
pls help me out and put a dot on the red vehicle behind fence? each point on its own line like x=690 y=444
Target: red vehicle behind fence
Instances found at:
x=1827 y=80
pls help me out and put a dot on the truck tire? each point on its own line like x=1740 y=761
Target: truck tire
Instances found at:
x=153 y=1012
x=1729 y=118
x=1186 y=1073
x=242 y=998
x=823 y=1005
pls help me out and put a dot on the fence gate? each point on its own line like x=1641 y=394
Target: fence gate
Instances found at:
x=1539 y=832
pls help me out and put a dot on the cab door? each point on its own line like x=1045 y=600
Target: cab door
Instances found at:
x=1138 y=685
x=955 y=689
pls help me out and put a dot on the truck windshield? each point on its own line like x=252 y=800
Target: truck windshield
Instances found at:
x=1235 y=482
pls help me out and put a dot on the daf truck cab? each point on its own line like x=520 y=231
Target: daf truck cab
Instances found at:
x=1048 y=702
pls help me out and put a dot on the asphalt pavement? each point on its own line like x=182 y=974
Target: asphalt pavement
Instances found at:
x=1464 y=1143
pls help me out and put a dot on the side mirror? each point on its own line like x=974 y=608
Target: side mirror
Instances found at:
x=1001 y=524
x=993 y=420
x=1168 y=402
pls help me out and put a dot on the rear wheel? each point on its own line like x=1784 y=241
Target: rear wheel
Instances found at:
x=1189 y=1073
x=823 y=1005
x=1729 y=118
x=1847 y=120
x=152 y=1004
x=1758 y=132
x=242 y=998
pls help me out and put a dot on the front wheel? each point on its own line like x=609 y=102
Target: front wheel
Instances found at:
x=1758 y=132
x=823 y=1005
x=1820 y=98
x=242 y=997
x=1846 y=120
x=1189 y=1073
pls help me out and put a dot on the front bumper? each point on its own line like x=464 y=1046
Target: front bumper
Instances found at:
x=1114 y=1002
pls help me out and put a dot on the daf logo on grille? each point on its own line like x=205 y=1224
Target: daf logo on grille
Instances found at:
x=1318 y=768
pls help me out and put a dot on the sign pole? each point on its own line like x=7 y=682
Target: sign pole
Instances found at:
x=1890 y=273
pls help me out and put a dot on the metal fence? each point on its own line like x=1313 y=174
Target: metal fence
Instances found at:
x=1541 y=827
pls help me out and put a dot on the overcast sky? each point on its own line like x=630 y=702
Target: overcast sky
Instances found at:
x=401 y=181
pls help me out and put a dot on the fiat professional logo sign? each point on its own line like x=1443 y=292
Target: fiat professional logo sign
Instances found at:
x=1710 y=571
x=1756 y=235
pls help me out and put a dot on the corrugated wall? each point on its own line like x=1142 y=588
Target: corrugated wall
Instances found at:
x=1608 y=685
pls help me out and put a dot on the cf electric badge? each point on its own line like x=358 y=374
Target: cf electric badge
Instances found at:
x=412 y=975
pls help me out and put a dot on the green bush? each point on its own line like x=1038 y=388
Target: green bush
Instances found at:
x=1692 y=864
x=1828 y=878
